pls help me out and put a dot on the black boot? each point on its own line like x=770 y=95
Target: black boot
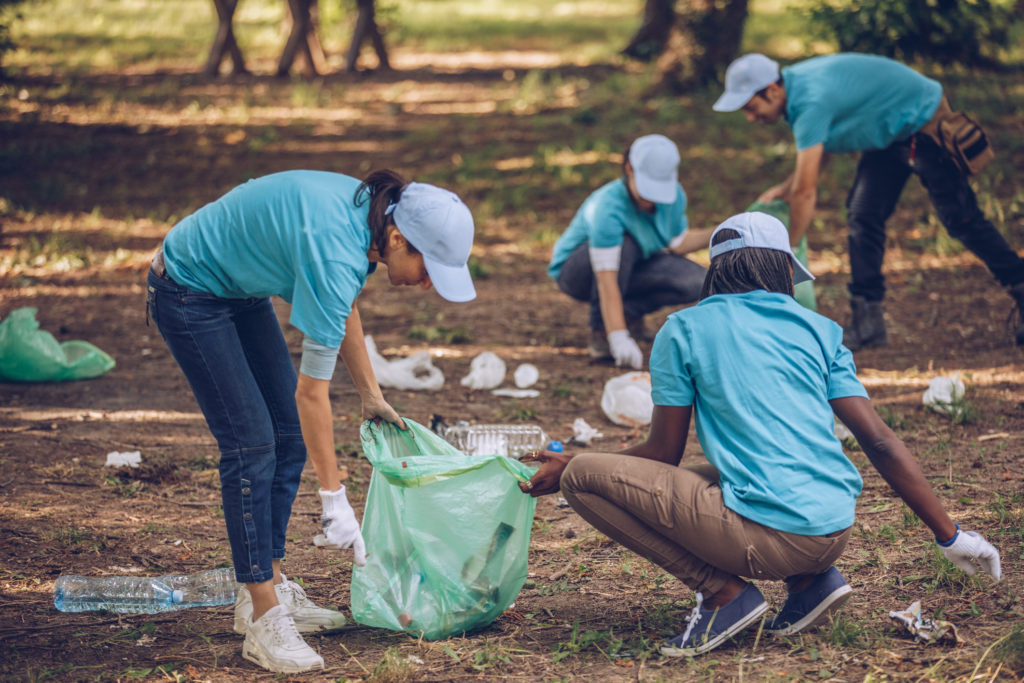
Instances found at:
x=867 y=326
x=1017 y=292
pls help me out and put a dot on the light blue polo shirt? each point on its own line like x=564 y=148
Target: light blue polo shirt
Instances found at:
x=296 y=234
x=609 y=213
x=760 y=369
x=853 y=102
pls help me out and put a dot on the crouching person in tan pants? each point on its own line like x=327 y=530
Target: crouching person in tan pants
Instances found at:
x=776 y=498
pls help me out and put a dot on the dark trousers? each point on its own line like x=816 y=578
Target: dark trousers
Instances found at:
x=881 y=175
x=646 y=285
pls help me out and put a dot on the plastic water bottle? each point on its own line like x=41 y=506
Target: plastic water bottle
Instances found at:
x=502 y=439
x=145 y=594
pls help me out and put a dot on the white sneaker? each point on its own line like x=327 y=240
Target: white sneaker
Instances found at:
x=309 y=617
x=273 y=642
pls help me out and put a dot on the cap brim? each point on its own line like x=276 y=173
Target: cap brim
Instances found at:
x=453 y=283
x=800 y=272
x=657 y=191
x=731 y=101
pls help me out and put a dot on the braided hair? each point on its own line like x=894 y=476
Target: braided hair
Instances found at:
x=747 y=269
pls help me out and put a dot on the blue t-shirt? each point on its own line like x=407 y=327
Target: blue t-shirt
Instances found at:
x=760 y=369
x=609 y=213
x=296 y=234
x=853 y=102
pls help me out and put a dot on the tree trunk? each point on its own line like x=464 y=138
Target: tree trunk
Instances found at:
x=652 y=37
x=366 y=28
x=302 y=39
x=224 y=42
x=704 y=39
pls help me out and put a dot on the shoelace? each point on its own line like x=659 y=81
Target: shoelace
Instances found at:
x=692 y=620
x=284 y=632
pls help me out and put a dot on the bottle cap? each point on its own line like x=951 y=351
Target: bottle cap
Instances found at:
x=556 y=447
x=177 y=596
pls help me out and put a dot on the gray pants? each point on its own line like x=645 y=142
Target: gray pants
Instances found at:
x=646 y=284
x=676 y=518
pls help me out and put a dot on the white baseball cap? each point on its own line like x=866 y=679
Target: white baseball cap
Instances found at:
x=440 y=226
x=744 y=78
x=759 y=230
x=655 y=162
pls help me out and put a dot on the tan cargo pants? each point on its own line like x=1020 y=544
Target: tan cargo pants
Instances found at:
x=676 y=518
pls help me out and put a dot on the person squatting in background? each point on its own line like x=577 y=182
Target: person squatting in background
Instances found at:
x=776 y=497
x=889 y=113
x=311 y=238
x=623 y=251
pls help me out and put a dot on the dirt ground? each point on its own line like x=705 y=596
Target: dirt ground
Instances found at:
x=103 y=172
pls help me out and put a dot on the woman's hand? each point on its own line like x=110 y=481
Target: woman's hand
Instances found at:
x=377 y=407
x=547 y=478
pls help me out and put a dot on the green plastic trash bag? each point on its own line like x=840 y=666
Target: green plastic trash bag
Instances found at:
x=447 y=535
x=803 y=292
x=29 y=354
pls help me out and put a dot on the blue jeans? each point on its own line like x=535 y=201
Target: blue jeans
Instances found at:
x=646 y=285
x=881 y=176
x=235 y=358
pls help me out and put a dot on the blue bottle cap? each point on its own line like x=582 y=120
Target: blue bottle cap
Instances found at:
x=556 y=447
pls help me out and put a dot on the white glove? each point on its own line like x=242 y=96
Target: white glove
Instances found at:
x=968 y=547
x=624 y=350
x=340 y=526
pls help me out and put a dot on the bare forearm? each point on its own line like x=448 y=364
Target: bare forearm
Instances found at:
x=611 y=300
x=317 y=423
x=903 y=473
x=801 y=211
x=356 y=358
x=693 y=240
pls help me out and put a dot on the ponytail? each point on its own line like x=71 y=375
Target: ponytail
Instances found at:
x=382 y=189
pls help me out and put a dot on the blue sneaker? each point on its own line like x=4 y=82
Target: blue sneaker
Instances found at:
x=811 y=606
x=706 y=629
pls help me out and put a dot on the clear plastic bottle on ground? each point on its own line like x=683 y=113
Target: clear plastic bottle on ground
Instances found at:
x=145 y=594
x=502 y=439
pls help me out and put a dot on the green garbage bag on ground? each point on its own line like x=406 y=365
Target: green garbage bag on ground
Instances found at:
x=29 y=354
x=804 y=291
x=447 y=535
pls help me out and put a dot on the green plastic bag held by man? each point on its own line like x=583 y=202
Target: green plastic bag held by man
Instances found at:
x=447 y=535
x=29 y=354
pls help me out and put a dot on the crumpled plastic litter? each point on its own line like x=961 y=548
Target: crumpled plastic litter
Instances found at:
x=516 y=393
x=944 y=394
x=526 y=375
x=582 y=433
x=29 y=354
x=486 y=371
x=627 y=399
x=841 y=431
x=126 y=459
x=414 y=373
x=923 y=629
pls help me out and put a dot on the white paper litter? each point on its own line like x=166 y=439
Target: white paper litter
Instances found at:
x=414 y=373
x=944 y=394
x=486 y=371
x=127 y=459
x=582 y=433
x=516 y=393
x=627 y=399
x=526 y=375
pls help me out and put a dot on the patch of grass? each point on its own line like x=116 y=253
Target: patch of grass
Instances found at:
x=492 y=657
x=519 y=414
x=605 y=642
x=439 y=333
x=393 y=667
x=1010 y=650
